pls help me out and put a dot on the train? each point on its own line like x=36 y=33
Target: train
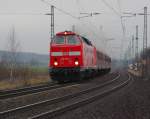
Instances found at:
x=74 y=57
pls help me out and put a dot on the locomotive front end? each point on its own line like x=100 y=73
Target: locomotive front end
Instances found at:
x=65 y=56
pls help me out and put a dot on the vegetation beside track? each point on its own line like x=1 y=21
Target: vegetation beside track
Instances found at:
x=22 y=77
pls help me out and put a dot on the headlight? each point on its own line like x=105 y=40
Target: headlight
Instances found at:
x=76 y=63
x=55 y=63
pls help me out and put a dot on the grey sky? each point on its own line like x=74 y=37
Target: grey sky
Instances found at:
x=33 y=31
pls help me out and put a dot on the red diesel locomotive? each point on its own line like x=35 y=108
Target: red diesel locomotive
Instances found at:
x=74 y=57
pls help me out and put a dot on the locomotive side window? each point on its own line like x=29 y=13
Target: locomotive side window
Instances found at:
x=87 y=41
x=59 y=40
x=73 y=40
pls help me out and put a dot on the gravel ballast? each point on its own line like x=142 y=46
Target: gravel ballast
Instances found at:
x=131 y=102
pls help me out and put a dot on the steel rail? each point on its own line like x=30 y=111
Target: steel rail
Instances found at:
x=31 y=90
x=55 y=100
x=25 y=88
x=60 y=110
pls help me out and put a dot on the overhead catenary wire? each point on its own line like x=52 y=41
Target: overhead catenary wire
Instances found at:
x=110 y=7
x=22 y=13
x=61 y=10
x=97 y=36
x=85 y=25
x=119 y=5
x=116 y=12
x=123 y=28
x=69 y=14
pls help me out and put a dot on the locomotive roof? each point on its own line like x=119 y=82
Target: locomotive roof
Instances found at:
x=66 y=33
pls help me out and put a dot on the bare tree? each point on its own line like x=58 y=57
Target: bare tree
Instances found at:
x=13 y=48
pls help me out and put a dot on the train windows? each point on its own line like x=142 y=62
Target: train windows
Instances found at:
x=73 y=40
x=59 y=40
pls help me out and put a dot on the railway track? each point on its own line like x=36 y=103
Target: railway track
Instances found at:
x=58 y=111
x=30 y=90
x=56 y=105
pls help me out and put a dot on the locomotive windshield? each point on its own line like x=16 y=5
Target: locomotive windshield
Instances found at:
x=72 y=39
x=59 y=40
x=69 y=39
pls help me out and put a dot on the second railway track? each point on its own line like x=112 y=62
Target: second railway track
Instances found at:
x=33 y=110
x=29 y=90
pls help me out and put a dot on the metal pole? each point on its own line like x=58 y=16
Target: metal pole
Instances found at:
x=136 y=51
x=145 y=42
x=52 y=22
x=130 y=52
x=133 y=54
x=73 y=28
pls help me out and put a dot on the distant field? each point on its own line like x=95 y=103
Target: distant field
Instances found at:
x=39 y=69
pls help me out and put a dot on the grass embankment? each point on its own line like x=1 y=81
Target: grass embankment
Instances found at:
x=25 y=77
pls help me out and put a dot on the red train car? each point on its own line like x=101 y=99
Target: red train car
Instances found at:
x=72 y=55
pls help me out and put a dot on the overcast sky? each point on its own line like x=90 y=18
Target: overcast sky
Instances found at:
x=33 y=31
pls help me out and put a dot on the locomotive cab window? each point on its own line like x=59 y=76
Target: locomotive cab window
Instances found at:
x=72 y=39
x=59 y=40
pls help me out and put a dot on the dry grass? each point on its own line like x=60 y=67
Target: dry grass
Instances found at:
x=8 y=85
x=22 y=77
